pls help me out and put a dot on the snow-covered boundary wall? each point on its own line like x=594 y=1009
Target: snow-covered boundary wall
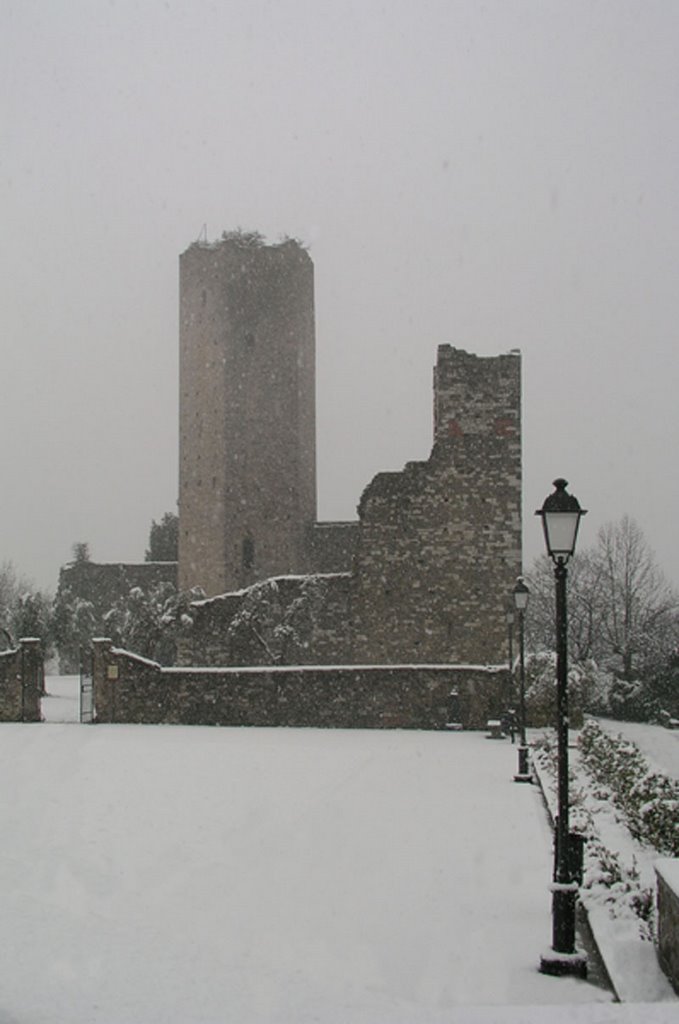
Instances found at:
x=667 y=873
x=21 y=682
x=131 y=689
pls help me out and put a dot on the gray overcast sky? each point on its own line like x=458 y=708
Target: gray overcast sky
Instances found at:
x=492 y=175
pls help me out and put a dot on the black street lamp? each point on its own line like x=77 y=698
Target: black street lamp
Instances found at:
x=561 y=514
x=521 y=593
x=509 y=713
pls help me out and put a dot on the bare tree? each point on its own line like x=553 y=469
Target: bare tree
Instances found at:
x=639 y=617
x=622 y=612
x=585 y=606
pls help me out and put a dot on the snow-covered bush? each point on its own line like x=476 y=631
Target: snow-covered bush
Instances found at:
x=541 y=690
x=148 y=622
x=258 y=619
x=648 y=800
x=610 y=879
x=592 y=690
x=632 y=701
x=75 y=623
x=272 y=628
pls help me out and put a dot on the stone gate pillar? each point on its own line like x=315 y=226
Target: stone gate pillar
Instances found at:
x=32 y=678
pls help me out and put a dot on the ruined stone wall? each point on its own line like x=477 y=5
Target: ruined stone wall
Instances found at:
x=332 y=546
x=247 y=472
x=131 y=690
x=476 y=396
x=440 y=543
x=21 y=682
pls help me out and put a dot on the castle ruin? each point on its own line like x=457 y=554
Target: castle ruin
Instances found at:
x=420 y=578
x=397 y=619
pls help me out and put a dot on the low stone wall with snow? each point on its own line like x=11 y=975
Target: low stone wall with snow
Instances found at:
x=21 y=682
x=667 y=873
x=133 y=690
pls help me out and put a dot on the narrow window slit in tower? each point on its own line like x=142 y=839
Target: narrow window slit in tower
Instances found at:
x=248 y=553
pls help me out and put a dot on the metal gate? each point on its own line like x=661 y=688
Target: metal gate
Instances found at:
x=86 y=688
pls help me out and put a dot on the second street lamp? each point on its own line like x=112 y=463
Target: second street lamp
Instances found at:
x=521 y=594
x=561 y=515
x=510 y=665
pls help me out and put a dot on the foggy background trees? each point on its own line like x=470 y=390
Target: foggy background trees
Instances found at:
x=25 y=611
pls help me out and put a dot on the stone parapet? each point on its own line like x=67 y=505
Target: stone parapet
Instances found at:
x=133 y=690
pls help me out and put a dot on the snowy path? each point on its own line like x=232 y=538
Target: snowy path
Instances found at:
x=61 y=702
x=170 y=874
x=659 y=746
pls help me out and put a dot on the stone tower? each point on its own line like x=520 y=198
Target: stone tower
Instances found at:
x=247 y=425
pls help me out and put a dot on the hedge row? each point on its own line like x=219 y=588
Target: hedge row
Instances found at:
x=648 y=800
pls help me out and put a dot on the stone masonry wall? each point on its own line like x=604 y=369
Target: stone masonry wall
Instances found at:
x=132 y=690
x=21 y=682
x=667 y=873
x=440 y=543
x=332 y=546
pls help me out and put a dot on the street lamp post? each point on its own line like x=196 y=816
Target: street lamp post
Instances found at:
x=510 y=639
x=508 y=715
x=521 y=594
x=561 y=514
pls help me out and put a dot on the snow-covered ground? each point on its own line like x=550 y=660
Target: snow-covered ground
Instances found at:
x=175 y=874
x=62 y=701
x=618 y=871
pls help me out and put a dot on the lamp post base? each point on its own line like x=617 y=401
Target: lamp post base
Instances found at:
x=563 y=957
x=524 y=773
x=560 y=964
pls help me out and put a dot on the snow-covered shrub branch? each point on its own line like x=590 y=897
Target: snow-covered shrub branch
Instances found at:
x=148 y=622
x=281 y=627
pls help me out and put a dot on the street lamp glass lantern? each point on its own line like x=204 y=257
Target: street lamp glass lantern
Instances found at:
x=521 y=595
x=561 y=515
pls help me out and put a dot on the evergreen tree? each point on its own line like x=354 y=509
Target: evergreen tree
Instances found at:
x=163 y=539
